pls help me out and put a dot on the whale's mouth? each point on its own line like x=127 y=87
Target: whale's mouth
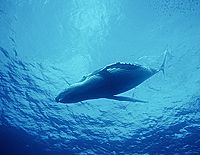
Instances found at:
x=61 y=97
x=58 y=99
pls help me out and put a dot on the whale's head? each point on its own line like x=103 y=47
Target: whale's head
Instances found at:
x=70 y=95
x=65 y=95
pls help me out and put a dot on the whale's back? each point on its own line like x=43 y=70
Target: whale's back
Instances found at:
x=118 y=78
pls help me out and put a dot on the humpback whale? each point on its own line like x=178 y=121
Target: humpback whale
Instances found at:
x=108 y=82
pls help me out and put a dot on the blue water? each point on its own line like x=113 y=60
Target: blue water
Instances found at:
x=46 y=44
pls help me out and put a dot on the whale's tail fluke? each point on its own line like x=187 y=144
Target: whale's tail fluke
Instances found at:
x=162 y=67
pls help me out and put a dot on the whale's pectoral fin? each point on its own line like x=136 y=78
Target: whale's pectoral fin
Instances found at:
x=124 y=98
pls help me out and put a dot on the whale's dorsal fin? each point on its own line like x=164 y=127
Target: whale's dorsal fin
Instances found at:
x=124 y=98
x=126 y=66
x=105 y=70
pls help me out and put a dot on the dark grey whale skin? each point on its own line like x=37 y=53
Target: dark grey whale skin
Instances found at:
x=108 y=82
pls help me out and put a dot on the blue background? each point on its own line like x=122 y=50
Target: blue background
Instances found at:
x=44 y=44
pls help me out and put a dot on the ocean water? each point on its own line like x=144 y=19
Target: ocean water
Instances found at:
x=46 y=44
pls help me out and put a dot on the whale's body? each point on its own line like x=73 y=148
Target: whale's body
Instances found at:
x=108 y=82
